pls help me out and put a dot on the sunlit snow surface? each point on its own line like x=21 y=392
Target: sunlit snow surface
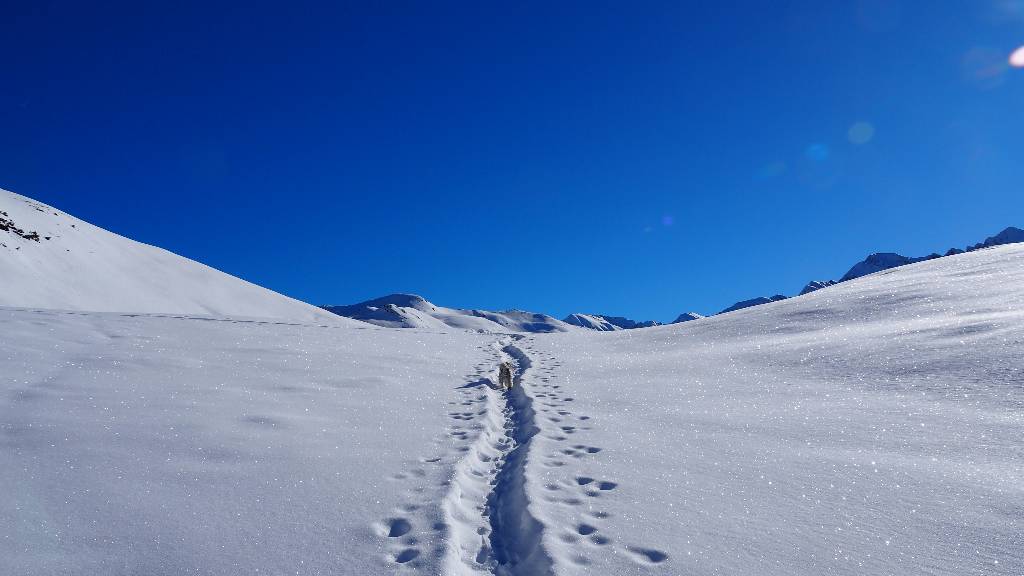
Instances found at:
x=151 y=446
x=873 y=427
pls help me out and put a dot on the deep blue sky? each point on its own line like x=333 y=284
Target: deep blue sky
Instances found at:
x=634 y=158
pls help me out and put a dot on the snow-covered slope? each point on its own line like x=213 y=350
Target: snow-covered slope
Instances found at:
x=134 y=444
x=60 y=262
x=412 y=311
x=888 y=260
x=687 y=317
x=881 y=261
x=871 y=428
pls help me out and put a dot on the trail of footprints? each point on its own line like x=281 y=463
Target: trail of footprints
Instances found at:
x=405 y=536
x=558 y=422
x=563 y=424
x=575 y=490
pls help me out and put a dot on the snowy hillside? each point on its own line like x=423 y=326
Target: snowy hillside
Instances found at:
x=412 y=311
x=51 y=260
x=871 y=428
x=881 y=261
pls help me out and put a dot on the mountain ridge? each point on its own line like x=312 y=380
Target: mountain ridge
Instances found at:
x=881 y=261
x=51 y=260
x=413 y=311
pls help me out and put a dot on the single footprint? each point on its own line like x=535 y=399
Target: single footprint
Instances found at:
x=407 y=555
x=586 y=529
x=397 y=527
x=648 y=554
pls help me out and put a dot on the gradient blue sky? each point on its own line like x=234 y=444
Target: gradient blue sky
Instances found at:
x=632 y=158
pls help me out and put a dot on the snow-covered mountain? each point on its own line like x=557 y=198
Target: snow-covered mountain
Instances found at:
x=753 y=302
x=816 y=285
x=1010 y=235
x=412 y=311
x=687 y=317
x=591 y=322
x=881 y=261
x=887 y=260
x=604 y=323
x=52 y=260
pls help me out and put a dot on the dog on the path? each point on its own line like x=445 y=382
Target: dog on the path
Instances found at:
x=505 y=375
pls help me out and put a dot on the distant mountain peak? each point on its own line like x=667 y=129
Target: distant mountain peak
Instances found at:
x=687 y=317
x=402 y=300
x=815 y=285
x=880 y=261
x=604 y=323
x=1010 y=235
x=753 y=302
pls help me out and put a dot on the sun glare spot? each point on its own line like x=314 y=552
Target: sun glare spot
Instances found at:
x=1017 y=58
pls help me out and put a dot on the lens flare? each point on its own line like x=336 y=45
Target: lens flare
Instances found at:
x=817 y=152
x=1017 y=58
x=860 y=133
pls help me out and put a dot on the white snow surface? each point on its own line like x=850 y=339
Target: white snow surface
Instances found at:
x=77 y=266
x=160 y=445
x=871 y=428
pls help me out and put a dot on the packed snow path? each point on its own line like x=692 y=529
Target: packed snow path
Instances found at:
x=492 y=528
x=495 y=492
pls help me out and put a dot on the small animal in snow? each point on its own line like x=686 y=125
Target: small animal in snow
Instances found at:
x=505 y=375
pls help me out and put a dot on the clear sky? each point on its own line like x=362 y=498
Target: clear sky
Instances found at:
x=629 y=158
